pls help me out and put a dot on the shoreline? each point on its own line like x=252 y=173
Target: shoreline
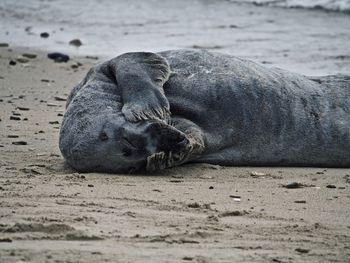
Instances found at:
x=302 y=41
x=195 y=212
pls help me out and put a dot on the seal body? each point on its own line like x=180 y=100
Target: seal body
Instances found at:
x=195 y=106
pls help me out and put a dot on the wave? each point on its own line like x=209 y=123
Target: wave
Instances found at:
x=329 y=5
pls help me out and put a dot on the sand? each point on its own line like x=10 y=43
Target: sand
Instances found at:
x=192 y=213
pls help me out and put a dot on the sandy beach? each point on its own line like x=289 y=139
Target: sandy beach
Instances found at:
x=192 y=213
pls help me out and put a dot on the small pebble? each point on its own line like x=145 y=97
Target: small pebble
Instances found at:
x=4 y=45
x=254 y=173
x=29 y=55
x=22 y=108
x=19 y=143
x=60 y=98
x=300 y=202
x=44 y=35
x=75 y=42
x=211 y=187
x=12 y=136
x=194 y=205
x=302 y=250
x=15 y=118
x=176 y=181
x=92 y=57
x=22 y=60
x=294 y=185
x=52 y=105
x=54 y=122
x=90 y=185
x=232 y=213
x=332 y=186
x=58 y=57
x=12 y=63
x=6 y=239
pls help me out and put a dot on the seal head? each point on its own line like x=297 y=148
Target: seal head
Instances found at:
x=110 y=143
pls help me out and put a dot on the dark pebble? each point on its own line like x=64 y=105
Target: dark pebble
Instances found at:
x=293 y=185
x=302 y=250
x=332 y=186
x=211 y=187
x=75 y=42
x=19 y=143
x=235 y=196
x=187 y=258
x=300 y=202
x=54 y=122
x=12 y=136
x=176 y=181
x=44 y=35
x=12 y=63
x=90 y=185
x=232 y=213
x=15 y=118
x=23 y=108
x=60 y=98
x=4 y=45
x=60 y=114
x=92 y=57
x=29 y=55
x=58 y=57
x=22 y=60
x=194 y=205
x=6 y=239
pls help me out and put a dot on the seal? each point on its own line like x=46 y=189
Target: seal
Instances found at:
x=150 y=111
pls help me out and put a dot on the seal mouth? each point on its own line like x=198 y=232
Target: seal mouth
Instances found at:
x=162 y=160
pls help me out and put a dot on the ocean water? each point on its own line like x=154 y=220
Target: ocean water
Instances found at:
x=331 y=5
x=302 y=40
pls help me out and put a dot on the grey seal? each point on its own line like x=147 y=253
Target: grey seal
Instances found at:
x=150 y=111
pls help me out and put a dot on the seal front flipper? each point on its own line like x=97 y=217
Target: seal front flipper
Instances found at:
x=195 y=144
x=140 y=76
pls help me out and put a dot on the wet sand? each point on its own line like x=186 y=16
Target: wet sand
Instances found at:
x=192 y=213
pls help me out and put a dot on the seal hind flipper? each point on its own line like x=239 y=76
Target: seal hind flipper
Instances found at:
x=140 y=76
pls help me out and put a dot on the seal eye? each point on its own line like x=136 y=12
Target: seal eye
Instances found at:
x=103 y=136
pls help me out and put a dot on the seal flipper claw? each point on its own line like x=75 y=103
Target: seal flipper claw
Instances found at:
x=140 y=76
